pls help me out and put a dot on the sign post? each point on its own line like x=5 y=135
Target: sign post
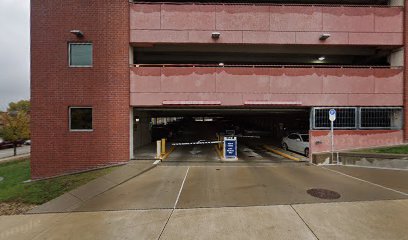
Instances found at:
x=230 y=148
x=332 y=117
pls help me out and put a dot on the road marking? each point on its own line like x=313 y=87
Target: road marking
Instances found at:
x=281 y=153
x=156 y=162
x=181 y=188
x=362 y=180
x=168 y=153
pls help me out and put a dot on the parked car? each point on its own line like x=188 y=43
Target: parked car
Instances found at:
x=5 y=144
x=28 y=142
x=297 y=142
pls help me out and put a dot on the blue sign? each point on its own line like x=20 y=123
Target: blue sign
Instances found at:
x=332 y=115
x=230 y=148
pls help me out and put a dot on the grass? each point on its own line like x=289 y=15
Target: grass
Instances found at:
x=393 y=150
x=12 y=188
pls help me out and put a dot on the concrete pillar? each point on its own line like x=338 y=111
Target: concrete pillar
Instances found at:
x=396 y=59
x=131 y=135
x=142 y=132
x=396 y=2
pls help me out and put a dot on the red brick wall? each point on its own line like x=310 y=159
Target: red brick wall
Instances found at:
x=55 y=86
x=405 y=72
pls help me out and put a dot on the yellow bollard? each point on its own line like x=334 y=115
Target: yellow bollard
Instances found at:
x=163 y=146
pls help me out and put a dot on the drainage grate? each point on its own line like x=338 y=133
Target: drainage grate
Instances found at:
x=323 y=193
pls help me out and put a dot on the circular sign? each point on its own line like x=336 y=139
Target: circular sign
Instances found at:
x=332 y=115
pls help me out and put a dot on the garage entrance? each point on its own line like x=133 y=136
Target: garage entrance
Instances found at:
x=188 y=130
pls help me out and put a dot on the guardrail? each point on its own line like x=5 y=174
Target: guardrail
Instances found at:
x=266 y=66
x=266 y=4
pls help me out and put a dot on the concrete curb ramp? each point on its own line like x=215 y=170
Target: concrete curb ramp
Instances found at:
x=73 y=199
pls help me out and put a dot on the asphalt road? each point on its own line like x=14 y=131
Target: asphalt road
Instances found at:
x=9 y=152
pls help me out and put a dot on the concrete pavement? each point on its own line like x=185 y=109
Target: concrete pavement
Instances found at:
x=345 y=220
x=255 y=201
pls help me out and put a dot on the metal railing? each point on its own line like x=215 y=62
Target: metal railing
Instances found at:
x=265 y=66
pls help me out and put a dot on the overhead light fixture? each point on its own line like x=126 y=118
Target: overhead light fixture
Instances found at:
x=324 y=36
x=77 y=33
x=322 y=58
x=215 y=35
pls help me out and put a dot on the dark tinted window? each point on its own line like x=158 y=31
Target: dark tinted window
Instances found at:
x=305 y=138
x=293 y=136
x=80 y=55
x=80 y=118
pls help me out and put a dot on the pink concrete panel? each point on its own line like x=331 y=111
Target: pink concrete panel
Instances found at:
x=261 y=37
x=296 y=18
x=269 y=97
x=156 y=99
x=295 y=80
x=230 y=99
x=389 y=80
x=188 y=16
x=242 y=80
x=353 y=139
x=205 y=37
x=158 y=36
x=348 y=19
x=389 y=19
x=188 y=79
x=242 y=17
x=348 y=80
x=376 y=39
x=144 y=16
x=313 y=38
x=323 y=99
x=145 y=79
x=375 y=99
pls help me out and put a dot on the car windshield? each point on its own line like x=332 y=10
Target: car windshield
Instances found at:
x=305 y=137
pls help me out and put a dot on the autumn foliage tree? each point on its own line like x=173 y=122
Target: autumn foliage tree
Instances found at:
x=16 y=124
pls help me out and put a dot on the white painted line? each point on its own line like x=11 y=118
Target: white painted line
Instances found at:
x=362 y=180
x=181 y=188
x=156 y=162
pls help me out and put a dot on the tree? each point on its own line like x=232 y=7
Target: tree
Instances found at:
x=20 y=106
x=16 y=128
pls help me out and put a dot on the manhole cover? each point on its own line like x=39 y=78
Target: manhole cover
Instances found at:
x=323 y=193
x=1 y=179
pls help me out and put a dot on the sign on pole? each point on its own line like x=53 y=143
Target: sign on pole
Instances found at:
x=332 y=117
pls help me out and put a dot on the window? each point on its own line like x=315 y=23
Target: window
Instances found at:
x=359 y=118
x=305 y=137
x=346 y=118
x=80 y=54
x=293 y=136
x=381 y=118
x=80 y=118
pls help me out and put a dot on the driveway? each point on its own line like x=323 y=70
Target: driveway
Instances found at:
x=223 y=201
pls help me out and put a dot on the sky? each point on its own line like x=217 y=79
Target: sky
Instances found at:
x=14 y=51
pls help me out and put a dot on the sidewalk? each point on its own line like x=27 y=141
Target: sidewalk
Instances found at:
x=345 y=220
x=73 y=199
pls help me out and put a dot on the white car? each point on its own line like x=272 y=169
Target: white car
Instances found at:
x=297 y=142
